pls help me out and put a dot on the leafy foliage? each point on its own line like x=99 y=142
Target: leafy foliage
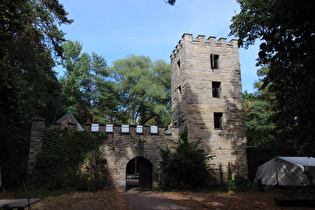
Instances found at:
x=30 y=39
x=259 y=111
x=143 y=88
x=238 y=182
x=186 y=167
x=86 y=87
x=287 y=31
x=59 y=163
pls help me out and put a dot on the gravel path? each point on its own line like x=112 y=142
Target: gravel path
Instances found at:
x=146 y=200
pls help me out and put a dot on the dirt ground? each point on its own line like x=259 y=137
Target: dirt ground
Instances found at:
x=111 y=199
x=230 y=200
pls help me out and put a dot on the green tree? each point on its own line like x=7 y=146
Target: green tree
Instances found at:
x=86 y=87
x=286 y=30
x=104 y=97
x=30 y=39
x=143 y=88
x=184 y=168
x=259 y=112
x=158 y=110
x=76 y=81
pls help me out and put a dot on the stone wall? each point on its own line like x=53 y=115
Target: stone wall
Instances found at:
x=119 y=147
x=37 y=133
x=193 y=103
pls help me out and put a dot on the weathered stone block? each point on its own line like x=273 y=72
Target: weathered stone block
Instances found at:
x=203 y=62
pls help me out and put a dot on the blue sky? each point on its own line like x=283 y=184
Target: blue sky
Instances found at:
x=116 y=28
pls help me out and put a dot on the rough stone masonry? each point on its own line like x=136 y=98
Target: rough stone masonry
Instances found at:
x=207 y=99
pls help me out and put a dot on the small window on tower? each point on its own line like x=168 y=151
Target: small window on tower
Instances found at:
x=218 y=121
x=216 y=89
x=178 y=64
x=180 y=89
x=214 y=61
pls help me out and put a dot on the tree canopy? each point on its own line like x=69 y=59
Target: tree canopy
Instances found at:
x=30 y=40
x=143 y=89
x=287 y=32
x=259 y=112
x=86 y=87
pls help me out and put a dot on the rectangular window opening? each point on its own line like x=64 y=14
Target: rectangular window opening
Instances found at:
x=218 y=121
x=216 y=89
x=214 y=61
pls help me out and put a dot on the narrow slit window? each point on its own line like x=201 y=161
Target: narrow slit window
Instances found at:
x=218 y=121
x=179 y=93
x=214 y=61
x=178 y=64
x=216 y=89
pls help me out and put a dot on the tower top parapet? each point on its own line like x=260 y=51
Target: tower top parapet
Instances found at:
x=200 y=39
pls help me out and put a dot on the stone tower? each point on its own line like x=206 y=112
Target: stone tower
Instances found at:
x=207 y=99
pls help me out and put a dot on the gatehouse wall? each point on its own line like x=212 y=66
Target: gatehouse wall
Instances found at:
x=121 y=147
x=123 y=143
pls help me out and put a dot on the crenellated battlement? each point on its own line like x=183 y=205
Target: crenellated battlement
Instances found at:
x=200 y=40
x=129 y=129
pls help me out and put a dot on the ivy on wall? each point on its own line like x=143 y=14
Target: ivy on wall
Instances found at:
x=62 y=157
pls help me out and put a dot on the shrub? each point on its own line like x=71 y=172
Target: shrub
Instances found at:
x=186 y=168
x=238 y=183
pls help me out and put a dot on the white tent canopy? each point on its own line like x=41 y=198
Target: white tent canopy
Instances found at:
x=287 y=171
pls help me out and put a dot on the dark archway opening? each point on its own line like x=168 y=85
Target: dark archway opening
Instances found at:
x=139 y=174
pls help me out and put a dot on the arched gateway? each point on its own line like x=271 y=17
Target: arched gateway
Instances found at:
x=139 y=173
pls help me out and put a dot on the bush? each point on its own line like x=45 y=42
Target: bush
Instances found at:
x=186 y=168
x=238 y=183
x=58 y=165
